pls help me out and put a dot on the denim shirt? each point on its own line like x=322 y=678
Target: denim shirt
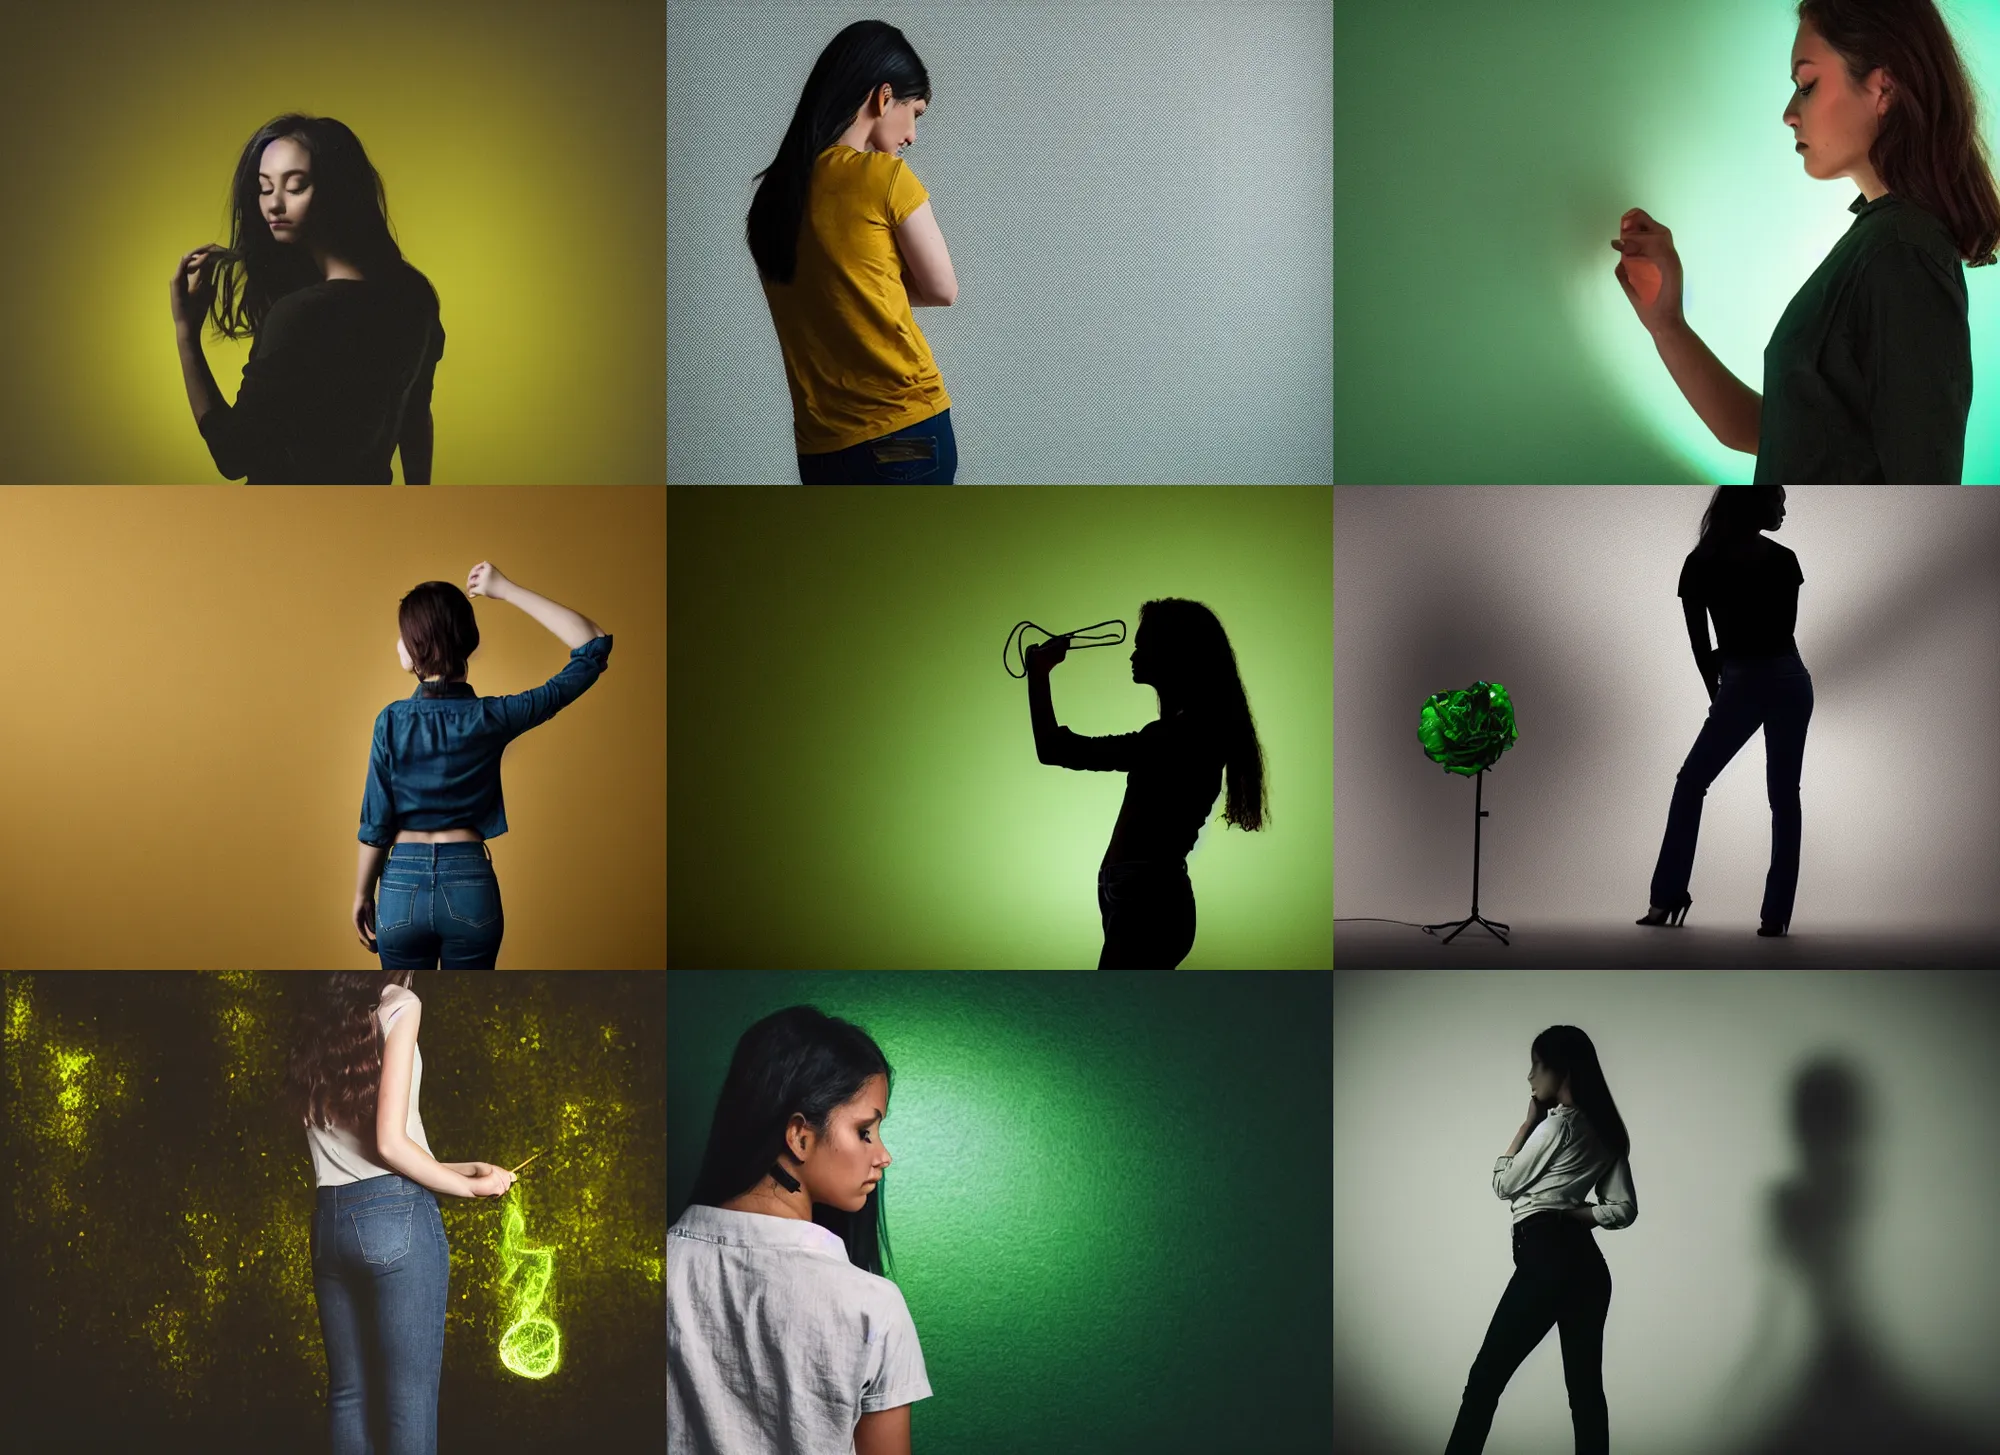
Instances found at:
x=435 y=760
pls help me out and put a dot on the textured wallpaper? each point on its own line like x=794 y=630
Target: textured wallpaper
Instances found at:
x=1565 y=594
x=1138 y=200
x=155 y=1224
x=1108 y=1201
x=1812 y=1270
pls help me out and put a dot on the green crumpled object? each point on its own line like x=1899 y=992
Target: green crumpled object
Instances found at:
x=1469 y=729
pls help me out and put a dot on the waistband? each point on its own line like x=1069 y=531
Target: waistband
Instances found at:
x=390 y=1184
x=431 y=853
x=1765 y=663
x=1135 y=868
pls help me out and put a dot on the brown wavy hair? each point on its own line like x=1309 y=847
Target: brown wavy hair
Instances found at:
x=1929 y=150
x=335 y=1066
x=439 y=630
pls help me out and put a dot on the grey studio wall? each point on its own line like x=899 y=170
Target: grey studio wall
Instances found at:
x=1565 y=594
x=1138 y=198
x=1796 y=1137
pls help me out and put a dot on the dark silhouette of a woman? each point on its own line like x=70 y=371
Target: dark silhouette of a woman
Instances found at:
x=1750 y=586
x=1174 y=768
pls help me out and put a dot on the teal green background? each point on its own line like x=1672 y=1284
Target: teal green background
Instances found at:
x=1484 y=156
x=851 y=775
x=1109 y=1202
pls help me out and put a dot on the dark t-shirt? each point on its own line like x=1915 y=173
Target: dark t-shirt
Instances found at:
x=323 y=393
x=1173 y=772
x=1868 y=375
x=1752 y=591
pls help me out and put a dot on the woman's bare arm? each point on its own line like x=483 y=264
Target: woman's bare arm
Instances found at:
x=573 y=627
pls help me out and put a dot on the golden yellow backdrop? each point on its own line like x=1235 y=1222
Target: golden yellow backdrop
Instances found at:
x=190 y=677
x=521 y=147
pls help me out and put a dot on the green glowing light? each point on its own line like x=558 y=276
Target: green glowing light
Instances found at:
x=532 y=1345
x=1467 y=730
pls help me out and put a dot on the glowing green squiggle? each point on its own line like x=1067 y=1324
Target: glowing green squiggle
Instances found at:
x=532 y=1345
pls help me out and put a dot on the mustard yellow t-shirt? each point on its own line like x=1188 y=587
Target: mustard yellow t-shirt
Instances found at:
x=858 y=365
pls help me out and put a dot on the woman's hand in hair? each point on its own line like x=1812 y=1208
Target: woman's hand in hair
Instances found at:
x=1044 y=655
x=490 y=1181
x=485 y=580
x=192 y=289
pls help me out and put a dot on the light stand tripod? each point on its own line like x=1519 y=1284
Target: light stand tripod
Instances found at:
x=1493 y=926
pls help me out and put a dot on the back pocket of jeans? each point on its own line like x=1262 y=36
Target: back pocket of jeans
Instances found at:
x=383 y=1229
x=395 y=906
x=472 y=902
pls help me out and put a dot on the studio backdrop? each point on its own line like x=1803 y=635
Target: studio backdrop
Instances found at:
x=155 y=1229
x=1566 y=595
x=519 y=149
x=1483 y=335
x=1137 y=197
x=852 y=769
x=1812 y=1268
x=1107 y=1200
x=194 y=676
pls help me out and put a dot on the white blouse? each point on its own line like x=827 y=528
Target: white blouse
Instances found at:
x=1557 y=1168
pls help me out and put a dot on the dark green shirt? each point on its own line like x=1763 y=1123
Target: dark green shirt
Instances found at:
x=1868 y=377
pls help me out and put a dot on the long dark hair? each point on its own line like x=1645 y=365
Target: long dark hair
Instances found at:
x=794 y=1060
x=335 y=1066
x=439 y=630
x=1196 y=655
x=1929 y=149
x=1567 y=1051
x=349 y=216
x=1736 y=513
x=852 y=68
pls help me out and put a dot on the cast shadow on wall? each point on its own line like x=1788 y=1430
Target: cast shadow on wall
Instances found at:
x=1846 y=1397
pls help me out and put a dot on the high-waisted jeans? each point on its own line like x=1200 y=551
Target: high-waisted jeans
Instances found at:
x=1776 y=692
x=381 y=1269
x=438 y=908
x=1148 y=913
x=1559 y=1278
x=919 y=454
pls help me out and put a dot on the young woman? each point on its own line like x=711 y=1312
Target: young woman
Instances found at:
x=1573 y=1141
x=1174 y=766
x=432 y=797
x=846 y=246
x=347 y=333
x=783 y=1335
x=1750 y=585
x=1868 y=376
x=381 y=1263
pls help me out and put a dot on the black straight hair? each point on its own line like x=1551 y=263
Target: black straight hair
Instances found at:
x=349 y=216
x=1567 y=1051
x=794 y=1060
x=1735 y=513
x=1194 y=651
x=851 y=69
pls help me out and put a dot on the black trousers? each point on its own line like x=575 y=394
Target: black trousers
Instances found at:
x=1147 y=908
x=1559 y=1278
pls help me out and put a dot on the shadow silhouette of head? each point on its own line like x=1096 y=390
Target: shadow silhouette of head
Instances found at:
x=439 y=630
x=349 y=218
x=1567 y=1051
x=1182 y=652
x=1737 y=512
x=797 y=1060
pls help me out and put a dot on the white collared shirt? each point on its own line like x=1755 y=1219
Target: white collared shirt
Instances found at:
x=1557 y=1168
x=777 y=1344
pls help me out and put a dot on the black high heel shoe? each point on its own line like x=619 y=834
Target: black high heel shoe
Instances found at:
x=1672 y=914
x=1767 y=930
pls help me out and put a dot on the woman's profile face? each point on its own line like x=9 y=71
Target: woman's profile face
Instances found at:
x=850 y=1159
x=1543 y=1084
x=284 y=188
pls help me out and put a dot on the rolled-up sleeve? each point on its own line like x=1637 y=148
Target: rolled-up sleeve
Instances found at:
x=1514 y=1175
x=521 y=711
x=378 y=806
x=1617 y=1200
x=1916 y=359
x=251 y=435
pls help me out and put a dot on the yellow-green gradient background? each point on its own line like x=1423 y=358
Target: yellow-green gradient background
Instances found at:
x=192 y=676
x=854 y=775
x=520 y=145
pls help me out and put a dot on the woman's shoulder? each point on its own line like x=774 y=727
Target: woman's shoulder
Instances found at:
x=395 y=995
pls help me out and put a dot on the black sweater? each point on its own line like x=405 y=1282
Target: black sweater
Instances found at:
x=324 y=389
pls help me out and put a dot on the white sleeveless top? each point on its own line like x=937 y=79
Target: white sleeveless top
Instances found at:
x=338 y=1155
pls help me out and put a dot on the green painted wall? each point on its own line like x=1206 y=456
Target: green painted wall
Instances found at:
x=1110 y=1200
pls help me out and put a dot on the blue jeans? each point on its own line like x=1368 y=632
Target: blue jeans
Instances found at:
x=1148 y=914
x=1559 y=1279
x=381 y=1269
x=922 y=454
x=438 y=908
x=1776 y=692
